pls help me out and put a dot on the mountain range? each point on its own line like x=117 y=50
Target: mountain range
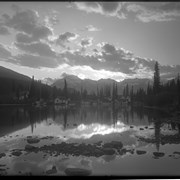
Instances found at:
x=74 y=82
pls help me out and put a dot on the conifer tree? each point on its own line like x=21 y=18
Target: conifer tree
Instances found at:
x=65 y=89
x=127 y=90
x=156 y=85
x=178 y=89
x=32 y=89
x=124 y=92
x=116 y=91
x=97 y=92
x=132 y=93
x=148 y=89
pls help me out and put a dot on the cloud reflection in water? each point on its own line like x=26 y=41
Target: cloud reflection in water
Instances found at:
x=83 y=131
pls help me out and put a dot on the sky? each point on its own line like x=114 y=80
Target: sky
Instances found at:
x=93 y=40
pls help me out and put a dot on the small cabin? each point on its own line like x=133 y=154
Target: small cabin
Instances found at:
x=61 y=101
x=125 y=100
x=57 y=100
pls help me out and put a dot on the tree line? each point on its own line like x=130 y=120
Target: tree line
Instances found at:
x=157 y=94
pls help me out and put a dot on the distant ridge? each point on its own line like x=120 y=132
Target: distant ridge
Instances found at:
x=75 y=82
x=12 y=84
x=8 y=73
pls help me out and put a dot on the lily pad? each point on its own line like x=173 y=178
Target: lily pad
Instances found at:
x=17 y=153
x=176 y=152
x=113 y=144
x=30 y=147
x=158 y=154
x=108 y=151
x=77 y=172
x=52 y=171
x=140 y=152
x=2 y=155
x=33 y=140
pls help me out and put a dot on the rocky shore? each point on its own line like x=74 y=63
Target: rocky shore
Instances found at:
x=49 y=146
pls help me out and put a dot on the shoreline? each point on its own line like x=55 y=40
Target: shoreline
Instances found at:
x=158 y=108
x=15 y=104
x=170 y=110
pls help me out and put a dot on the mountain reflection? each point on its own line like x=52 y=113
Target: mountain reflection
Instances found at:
x=85 y=122
x=87 y=131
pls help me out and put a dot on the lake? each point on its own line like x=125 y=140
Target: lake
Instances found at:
x=98 y=139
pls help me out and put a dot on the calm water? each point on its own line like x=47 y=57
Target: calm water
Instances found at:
x=142 y=135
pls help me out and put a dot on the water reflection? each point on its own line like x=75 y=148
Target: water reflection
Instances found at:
x=98 y=138
x=16 y=118
x=86 y=122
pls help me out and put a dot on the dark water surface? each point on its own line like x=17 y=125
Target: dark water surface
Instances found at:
x=102 y=140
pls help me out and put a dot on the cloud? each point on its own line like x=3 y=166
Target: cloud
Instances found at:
x=86 y=42
x=118 y=61
x=110 y=59
x=117 y=58
x=108 y=48
x=4 y=30
x=169 y=72
x=36 y=61
x=15 y=8
x=143 y=64
x=91 y=28
x=103 y=8
x=65 y=38
x=145 y=68
x=4 y=52
x=31 y=36
x=38 y=48
x=52 y=19
x=77 y=59
x=42 y=57
x=155 y=11
x=87 y=72
x=24 y=38
x=142 y=11
x=27 y=22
